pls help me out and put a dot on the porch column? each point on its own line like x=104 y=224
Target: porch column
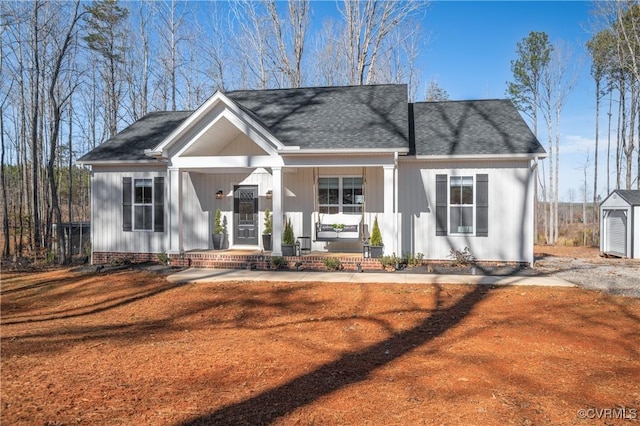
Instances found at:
x=388 y=224
x=277 y=219
x=174 y=204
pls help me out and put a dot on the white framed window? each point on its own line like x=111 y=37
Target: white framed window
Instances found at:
x=143 y=204
x=461 y=205
x=340 y=194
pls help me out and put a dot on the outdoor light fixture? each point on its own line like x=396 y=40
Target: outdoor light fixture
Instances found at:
x=219 y=194
x=269 y=194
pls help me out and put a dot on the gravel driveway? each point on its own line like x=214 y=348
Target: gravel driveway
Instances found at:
x=611 y=275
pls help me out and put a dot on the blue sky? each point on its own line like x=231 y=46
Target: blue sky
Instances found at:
x=469 y=52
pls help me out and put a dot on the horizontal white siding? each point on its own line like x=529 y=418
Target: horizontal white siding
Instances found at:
x=106 y=213
x=510 y=211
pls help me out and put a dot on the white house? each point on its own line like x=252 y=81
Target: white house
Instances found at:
x=620 y=224
x=436 y=175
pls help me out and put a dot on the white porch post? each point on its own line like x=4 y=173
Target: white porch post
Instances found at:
x=388 y=224
x=175 y=210
x=277 y=201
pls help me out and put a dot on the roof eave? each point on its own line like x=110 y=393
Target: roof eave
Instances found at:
x=528 y=156
x=149 y=162
x=344 y=151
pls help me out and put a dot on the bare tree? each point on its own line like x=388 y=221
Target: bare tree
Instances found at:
x=435 y=93
x=368 y=23
x=329 y=66
x=57 y=100
x=251 y=45
x=290 y=37
x=557 y=83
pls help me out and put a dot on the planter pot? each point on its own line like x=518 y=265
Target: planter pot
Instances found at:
x=288 y=250
x=217 y=241
x=266 y=242
x=376 y=251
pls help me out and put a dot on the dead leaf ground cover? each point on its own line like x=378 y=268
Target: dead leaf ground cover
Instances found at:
x=130 y=348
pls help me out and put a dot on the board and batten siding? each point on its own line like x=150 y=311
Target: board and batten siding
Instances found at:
x=107 y=233
x=510 y=210
x=200 y=204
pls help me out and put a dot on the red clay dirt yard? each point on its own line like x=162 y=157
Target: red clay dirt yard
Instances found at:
x=130 y=348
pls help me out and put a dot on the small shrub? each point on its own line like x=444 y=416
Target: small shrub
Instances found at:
x=333 y=263
x=462 y=257
x=119 y=261
x=163 y=258
x=218 y=229
x=268 y=224
x=391 y=262
x=278 y=262
x=376 y=236
x=287 y=236
x=414 y=259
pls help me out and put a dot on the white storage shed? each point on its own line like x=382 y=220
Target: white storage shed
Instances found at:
x=620 y=224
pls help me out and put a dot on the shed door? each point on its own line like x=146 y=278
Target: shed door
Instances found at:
x=616 y=229
x=245 y=211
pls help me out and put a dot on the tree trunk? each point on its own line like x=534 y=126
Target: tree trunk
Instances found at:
x=595 y=222
x=35 y=118
x=5 y=206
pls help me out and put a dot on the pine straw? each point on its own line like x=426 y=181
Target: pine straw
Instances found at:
x=130 y=348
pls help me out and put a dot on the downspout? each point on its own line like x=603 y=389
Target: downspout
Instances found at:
x=395 y=202
x=534 y=208
x=92 y=210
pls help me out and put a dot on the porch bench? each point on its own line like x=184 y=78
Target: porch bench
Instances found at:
x=348 y=229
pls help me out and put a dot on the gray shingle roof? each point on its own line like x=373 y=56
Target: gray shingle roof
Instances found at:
x=145 y=133
x=631 y=196
x=472 y=128
x=351 y=117
x=368 y=117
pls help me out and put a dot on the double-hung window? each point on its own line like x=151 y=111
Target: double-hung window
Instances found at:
x=340 y=195
x=143 y=204
x=462 y=205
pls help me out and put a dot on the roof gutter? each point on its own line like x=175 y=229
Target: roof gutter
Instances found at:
x=481 y=156
x=344 y=151
x=149 y=162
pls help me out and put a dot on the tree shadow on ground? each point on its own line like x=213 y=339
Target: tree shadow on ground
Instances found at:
x=352 y=367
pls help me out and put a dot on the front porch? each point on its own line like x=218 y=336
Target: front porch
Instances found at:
x=258 y=259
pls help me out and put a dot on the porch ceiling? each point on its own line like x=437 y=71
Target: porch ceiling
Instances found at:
x=214 y=140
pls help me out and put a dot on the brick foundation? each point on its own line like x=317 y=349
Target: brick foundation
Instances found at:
x=258 y=261
x=237 y=261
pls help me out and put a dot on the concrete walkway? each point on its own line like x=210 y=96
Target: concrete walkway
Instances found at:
x=201 y=275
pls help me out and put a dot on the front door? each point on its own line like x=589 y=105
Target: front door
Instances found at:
x=245 y=215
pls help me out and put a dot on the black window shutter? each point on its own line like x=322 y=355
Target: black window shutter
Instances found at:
x=158 y=204
x=441 y=204
x=127 y=194
x=482 y=205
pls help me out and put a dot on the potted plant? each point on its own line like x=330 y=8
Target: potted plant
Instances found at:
x=376 y=240
x=218 y=231
x=268 y=229
x=288 y=240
